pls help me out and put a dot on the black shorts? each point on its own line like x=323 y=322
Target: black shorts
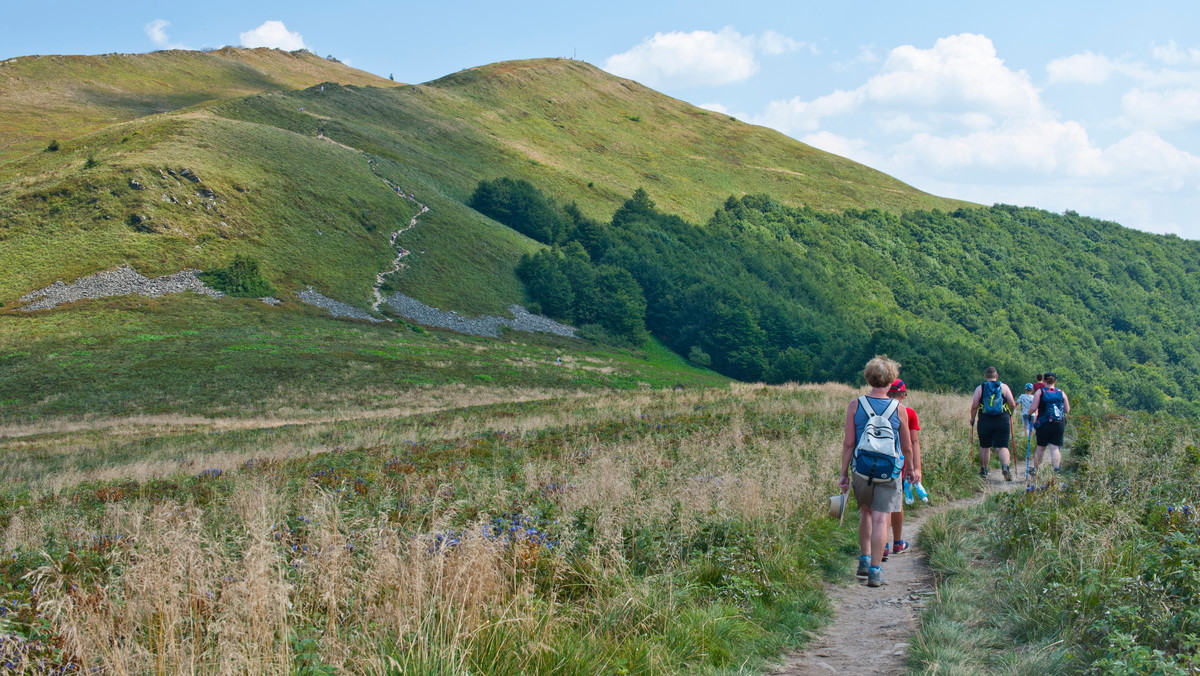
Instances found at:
x=1051 y=434
x=993 y=431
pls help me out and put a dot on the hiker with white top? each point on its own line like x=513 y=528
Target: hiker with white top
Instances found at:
x=874 y=445
x=1025 y=401
x=993 y=402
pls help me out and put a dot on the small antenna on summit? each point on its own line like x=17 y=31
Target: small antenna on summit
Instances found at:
x=573 y=52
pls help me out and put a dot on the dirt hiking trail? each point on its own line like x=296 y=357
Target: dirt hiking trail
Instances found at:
x=872 y=627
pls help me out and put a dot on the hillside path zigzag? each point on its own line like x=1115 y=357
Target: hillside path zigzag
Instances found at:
x=872 y=628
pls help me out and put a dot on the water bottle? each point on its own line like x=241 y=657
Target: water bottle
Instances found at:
x=921 y=492
x=908 y=493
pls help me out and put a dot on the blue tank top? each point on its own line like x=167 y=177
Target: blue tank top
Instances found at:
x=878 y=405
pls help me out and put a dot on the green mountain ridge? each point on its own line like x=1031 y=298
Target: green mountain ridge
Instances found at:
x=295 y=162
x=62 y=96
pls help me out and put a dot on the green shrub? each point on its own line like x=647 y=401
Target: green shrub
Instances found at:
x=242 y=278
x=53 y=147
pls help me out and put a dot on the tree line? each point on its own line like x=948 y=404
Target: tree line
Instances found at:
x=763 y=291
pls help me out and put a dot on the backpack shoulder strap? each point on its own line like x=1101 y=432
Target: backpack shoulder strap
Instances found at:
x=865 y=406
x=891 y=408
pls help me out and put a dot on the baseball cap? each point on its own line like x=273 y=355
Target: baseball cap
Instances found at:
x=1029 y=386
x=897 y=387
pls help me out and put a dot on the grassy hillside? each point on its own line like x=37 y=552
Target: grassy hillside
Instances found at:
x=301 y=178
x=61 y=97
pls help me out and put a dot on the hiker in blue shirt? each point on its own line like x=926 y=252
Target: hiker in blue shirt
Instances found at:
x=875 y=443
x=1050 y=408
x=993 y=402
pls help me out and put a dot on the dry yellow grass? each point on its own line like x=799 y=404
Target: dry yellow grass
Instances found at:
x=225 y=586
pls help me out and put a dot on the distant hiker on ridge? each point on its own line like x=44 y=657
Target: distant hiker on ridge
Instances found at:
x=1050 y=407
x=875 y=443
x=994 y=403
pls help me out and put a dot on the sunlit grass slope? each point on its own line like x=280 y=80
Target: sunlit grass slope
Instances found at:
x=581 y=134
x=61 y=97
x=192 y=356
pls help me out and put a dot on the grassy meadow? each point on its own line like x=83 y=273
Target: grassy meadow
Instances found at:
x=1092 y=572
x=595 y=530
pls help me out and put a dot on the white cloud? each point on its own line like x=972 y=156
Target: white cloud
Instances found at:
x=1172 y=109
x=698 y=58
x=273 y=34
x=715 y=107
x=854 y=148
x=1172 y=55
x=1144 y=155
x=960 y=72
x=1087 y=68
x=1043 y=146
x=157 y=32
x=775 y=44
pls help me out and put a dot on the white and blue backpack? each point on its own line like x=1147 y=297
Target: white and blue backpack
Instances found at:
x=877 y=455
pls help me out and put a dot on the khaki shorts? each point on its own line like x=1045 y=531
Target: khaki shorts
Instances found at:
x=880 y=497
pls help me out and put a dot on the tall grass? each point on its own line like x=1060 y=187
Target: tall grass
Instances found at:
x=1090 y=572
x=655 y=532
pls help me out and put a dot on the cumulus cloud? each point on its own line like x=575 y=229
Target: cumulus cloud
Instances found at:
x=157 y=32
x=774 y=44
x=959 y=73
x=1173 y=55
x=698 y=58
x=273 y=34
x=1171 y=109
x=955 y=119
x=856 y=149
x=1044 y=146
x=1087 y=68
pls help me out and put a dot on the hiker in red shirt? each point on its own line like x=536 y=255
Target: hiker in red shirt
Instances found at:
x=912 y=467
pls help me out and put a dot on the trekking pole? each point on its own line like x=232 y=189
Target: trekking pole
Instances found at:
x=1028 y=443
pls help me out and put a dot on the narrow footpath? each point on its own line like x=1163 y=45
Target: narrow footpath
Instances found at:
x=872 y=628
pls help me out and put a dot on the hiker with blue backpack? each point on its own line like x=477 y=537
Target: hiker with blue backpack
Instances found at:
x=874 y=446
x=993 y=402
x=1050 y=408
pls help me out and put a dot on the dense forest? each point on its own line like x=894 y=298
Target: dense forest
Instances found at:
x=763 y=291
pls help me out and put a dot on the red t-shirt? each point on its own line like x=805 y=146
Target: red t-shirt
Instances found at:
x=1038 y=386
x=913 y=426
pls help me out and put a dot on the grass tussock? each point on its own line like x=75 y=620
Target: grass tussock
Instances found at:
x=654 y=532
x=1088 y=572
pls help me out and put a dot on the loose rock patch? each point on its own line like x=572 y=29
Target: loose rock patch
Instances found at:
x=486 y=325
x=123 y=281
x=335 y=307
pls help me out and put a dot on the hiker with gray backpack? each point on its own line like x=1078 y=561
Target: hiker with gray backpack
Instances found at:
x=874 y=446
x=993 y=402
x=1050 y=408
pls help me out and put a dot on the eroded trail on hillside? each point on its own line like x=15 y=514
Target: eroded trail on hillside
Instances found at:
x=872 y=628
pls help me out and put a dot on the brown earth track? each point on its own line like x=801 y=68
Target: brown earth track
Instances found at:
x=872 y=627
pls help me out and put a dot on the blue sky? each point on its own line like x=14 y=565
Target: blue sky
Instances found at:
x=1070 y=105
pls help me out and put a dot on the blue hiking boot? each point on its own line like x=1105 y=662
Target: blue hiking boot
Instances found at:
x=875 y=577
x=864 y=565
